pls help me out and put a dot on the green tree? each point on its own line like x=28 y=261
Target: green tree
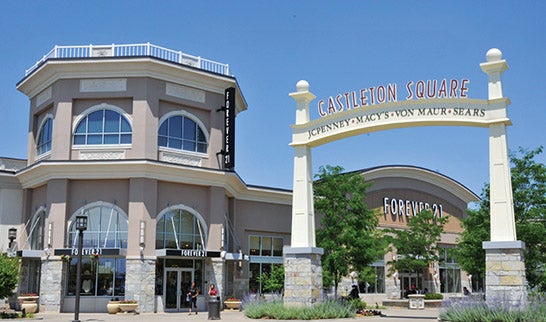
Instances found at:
x=9 y=272
x=348 y=229
x=529 y=192
x=274 y=280
x=416 y=246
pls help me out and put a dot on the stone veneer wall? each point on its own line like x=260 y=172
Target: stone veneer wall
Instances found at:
x=140 y=282
x=51 y=286
x=215 y=274
x=303 y=276
x=505 y=280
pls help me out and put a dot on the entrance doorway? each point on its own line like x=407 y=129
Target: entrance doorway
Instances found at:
x=178 y=284
x=411 y=284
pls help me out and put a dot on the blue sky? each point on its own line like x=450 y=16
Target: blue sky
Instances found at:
x=337 y=46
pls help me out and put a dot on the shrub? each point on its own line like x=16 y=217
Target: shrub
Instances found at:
x=468 y=309
x=434 y=296
x=276 y=310
x=9 y=270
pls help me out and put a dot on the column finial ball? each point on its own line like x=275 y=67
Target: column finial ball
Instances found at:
x=302 y=86
x=493 y=54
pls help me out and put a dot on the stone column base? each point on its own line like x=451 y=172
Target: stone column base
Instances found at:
x=303 y=275
x=505 y=280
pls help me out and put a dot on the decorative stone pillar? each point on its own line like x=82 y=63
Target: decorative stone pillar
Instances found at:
x=303 y=275
x=140 y=282
x=215 y=274
x=302 y=264
x=504 y=263
x=505 y=273
x=50 y=286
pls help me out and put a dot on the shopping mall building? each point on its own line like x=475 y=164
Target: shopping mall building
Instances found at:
x=140 y=139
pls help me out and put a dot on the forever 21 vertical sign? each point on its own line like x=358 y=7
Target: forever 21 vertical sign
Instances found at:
x=229 y=128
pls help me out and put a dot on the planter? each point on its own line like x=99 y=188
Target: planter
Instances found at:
x=29 y=306
x=128 y=307
x=113 y=307
x=232 y=305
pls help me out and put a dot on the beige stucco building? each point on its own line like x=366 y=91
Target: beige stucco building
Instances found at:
x=139 y=142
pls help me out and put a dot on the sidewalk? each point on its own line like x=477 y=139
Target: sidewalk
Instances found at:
x=391 y=315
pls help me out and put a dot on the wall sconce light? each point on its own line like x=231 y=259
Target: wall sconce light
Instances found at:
x=49 y=234
x=142 y=240
x=12 y=235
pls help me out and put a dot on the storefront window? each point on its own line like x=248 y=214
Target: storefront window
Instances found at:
x=450 y=272
x=100 y=277
x=264 y=251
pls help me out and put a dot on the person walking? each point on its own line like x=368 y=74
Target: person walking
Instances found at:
x=192 y=296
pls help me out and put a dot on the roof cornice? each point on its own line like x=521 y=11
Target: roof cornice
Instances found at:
x=40 y=173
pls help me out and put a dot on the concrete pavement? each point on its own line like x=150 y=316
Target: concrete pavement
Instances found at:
x=389 y=315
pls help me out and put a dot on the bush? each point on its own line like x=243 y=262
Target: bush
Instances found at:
x=9 y=270
x=434 y=296
x=467 y=309
x=277 y=311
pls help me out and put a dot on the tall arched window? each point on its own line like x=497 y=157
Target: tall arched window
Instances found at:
x=37 y=228
x=180 y=229
x=106 y=227
x=182 y=133
x=101 y=275
x=43 y=142
x=103 y=126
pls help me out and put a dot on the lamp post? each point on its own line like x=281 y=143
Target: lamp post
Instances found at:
x=12 y=235
x=81 y=225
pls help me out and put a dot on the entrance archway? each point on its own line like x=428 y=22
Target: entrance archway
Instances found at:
x=356 y=113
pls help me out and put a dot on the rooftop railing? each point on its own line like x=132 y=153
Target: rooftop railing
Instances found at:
x=132 y=51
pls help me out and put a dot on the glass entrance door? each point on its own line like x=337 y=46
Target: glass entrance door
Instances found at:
x=177 y=283
x=410 y=284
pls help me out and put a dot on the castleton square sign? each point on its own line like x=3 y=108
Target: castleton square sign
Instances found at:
x=442 y=102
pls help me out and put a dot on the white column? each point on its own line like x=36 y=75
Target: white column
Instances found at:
x=501 y=200
x=303 y=215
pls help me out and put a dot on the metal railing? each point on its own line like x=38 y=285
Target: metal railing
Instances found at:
x=132 y=51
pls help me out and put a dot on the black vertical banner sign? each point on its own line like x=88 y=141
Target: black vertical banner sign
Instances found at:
x=229 y=128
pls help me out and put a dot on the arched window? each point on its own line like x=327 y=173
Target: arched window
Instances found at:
x=180 y=229
x=101 y=275
x=37 y=228
x=43 y=142
x=103 y=126
x=106 y=227
x=182 y=133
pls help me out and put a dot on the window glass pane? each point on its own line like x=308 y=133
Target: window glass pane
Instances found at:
x=189 y=129
x=37 y=235
x=94 y=139
x=125 y=126
x=119 y=284
x=254 y=245
x=163 y=128
x=266 y=246
x=200 y=136
x=95 y=122
x=201 y=147
x=125 y=139
x=175 y=126
x=82 y=127
x=105 y=277
x=111 y=121
x=79 y=139
x=175 y=143
x=162 y=141
x=189 y=145
x=277 y=246
x=111 y=138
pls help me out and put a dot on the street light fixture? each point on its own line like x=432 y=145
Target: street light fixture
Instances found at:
x=12 y=235
x=81 y=225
